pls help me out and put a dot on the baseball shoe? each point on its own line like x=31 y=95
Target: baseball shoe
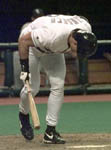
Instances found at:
x=25 y=126
x=53 y=138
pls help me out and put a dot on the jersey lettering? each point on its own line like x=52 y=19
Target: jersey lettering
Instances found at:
x=71 y=21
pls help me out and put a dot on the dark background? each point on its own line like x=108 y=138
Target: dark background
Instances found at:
x=14 y=13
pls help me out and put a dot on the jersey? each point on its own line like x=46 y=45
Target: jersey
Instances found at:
x=50 y=33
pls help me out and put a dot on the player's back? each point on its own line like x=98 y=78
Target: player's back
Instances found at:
x=63 y=22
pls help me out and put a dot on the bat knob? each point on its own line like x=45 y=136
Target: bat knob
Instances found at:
x=37 y=127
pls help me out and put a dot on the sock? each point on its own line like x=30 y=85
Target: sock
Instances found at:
x=50 y=128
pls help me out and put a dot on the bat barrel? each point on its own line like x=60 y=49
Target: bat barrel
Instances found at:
x=33 y=109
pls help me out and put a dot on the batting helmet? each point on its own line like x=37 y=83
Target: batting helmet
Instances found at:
x=37 y=13
x=86 y=42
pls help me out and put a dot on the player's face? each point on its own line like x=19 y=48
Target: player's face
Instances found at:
x=73 y=46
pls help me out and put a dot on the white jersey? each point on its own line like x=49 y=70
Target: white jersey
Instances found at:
x=50 y=33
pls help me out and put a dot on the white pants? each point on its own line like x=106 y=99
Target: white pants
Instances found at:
x=55 y=68
x=18 y=84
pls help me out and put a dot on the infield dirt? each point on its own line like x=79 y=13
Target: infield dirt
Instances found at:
x=102 y=141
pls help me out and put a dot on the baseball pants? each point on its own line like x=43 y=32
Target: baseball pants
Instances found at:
x=55 y=68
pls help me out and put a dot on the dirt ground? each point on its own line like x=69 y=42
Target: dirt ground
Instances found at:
x=74 y=142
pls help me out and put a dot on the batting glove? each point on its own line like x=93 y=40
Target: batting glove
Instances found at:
x=25 y=75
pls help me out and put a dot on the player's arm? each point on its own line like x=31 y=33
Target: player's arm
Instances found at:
x=24 y=43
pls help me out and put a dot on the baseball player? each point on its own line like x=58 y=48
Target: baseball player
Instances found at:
x=47 y=39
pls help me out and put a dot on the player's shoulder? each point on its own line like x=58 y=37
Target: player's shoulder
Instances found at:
x=25 y=25
x=25 y=30
x=39 y=20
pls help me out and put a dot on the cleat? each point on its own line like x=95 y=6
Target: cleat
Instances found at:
x=25 y=126
x=53 y=138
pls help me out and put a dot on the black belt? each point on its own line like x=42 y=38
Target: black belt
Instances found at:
x=47 y=51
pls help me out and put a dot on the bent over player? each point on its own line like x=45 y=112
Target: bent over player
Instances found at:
x=51 y=35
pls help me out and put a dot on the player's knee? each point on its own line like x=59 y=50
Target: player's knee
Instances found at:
x=35 y=91
x=57 y=87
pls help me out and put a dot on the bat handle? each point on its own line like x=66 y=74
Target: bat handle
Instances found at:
x=28 y=86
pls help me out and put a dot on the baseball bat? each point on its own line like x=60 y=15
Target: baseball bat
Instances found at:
x=33 y=109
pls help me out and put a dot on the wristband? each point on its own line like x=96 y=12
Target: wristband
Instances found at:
x=24 y=65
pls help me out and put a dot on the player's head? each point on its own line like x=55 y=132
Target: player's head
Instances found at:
x=38 y=12
x=86 y=42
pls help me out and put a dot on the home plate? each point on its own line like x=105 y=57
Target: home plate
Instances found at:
x=88 y=146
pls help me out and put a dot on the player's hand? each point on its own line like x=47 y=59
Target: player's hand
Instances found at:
x=25 y=76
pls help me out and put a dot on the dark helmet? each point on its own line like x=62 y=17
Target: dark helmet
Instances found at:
x=37 y=13
x=86 y=42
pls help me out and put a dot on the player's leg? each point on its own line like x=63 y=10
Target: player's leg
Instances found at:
x=26 y=128
x=56 y=69
x=35 y=83
x=18 y=84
